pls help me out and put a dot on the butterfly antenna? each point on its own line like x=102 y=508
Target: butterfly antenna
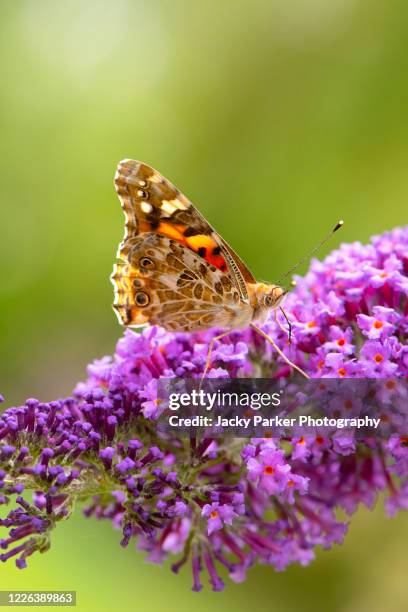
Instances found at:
x=338 y=225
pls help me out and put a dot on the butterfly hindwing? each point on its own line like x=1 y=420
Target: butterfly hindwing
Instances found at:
x=165 y=283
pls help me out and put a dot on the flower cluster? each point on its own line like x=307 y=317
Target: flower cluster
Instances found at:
x=221 y=505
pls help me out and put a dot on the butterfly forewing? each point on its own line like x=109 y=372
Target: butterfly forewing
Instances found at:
x=174 y=269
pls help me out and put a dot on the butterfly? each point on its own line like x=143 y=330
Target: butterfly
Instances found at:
x=174 y=270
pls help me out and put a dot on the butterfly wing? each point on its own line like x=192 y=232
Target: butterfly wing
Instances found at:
x=173 y=269
x=163 y=282
x=152 y=204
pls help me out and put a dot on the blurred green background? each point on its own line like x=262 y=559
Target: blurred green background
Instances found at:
x=276 y=118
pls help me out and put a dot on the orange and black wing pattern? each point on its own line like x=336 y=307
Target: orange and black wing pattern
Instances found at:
x=153 y=206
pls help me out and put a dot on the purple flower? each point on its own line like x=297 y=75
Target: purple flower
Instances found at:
x=376 y=359
x=225 y=503
x=152 y=407
x=269 y=469
x=273 y=474
x=335 y=365
x=380 y=324
x=340 y=340
x=217 y=514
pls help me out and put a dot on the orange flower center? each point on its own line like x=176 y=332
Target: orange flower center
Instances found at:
x=341 y=372
x=390 y=384
x=378 y=324
x=269 y=470
x=341 y=342
x=291 y=483
x=319 y=440
x=311 y=324
x=213 y=514
x=383 y=275
x=378 y=358
x=301 y=441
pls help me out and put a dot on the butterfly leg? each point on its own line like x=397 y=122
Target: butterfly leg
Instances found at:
x=209 y=354
x=279 y=324
x=277 y=349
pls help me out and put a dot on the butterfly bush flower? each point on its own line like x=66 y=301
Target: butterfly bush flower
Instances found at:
x=219 y=505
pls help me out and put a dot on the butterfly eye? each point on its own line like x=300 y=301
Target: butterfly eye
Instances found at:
x=142 y=299
x=142 y=193
x=147 y=263
x=268 y=300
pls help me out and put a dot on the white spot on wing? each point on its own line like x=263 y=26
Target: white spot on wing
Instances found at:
x=146 y=207
x=171 y=205
x=168 y=207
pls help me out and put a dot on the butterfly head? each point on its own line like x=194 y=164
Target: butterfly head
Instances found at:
x=264 y=297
